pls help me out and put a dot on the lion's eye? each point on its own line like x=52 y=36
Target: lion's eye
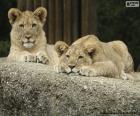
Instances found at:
x=34 y=25
x=80 y=57
x=21 y=25
x=67 y=56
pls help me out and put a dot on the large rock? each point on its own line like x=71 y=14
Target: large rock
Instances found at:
x=30 y=89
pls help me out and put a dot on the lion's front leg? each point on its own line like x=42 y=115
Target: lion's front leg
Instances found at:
x=22 y=56
x=107 y=69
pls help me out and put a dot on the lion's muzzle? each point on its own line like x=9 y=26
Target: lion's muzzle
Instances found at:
x=28 y=45
x=28 y=42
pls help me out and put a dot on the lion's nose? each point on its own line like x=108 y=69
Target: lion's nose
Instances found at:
x=28 y=37
x=71 y=66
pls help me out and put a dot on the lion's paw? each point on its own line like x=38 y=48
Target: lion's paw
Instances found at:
x=61 y=69
x=57 y=68
x=29 y=58
x=42 y=58
x=75 y=70
x=124 y=75
x=87 y=71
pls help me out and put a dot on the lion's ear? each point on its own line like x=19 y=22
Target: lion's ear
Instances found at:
x=13 y=14
x=41 y=13
x=90 y=50
x=61 y=47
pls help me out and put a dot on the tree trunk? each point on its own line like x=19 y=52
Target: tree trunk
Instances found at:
x=67 y=21
x=29 y=5
x=21 y=4
x=51 y=21
x=58 y=20
x=37 y=3
x=88 y=17
x=44 y=3
x=75 y=19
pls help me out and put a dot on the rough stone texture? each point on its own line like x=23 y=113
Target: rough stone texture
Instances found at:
x=30 y=89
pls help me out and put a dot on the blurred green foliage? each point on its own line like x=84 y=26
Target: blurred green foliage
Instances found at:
x=5 y=5
x=4 y=48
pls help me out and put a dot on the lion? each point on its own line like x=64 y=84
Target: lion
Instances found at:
x=28 y=41
x=88 y=56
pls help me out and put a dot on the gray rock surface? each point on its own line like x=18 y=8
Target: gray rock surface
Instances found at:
x=30 y=89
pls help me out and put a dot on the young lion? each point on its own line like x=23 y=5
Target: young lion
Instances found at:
x=28 y=41
x=89 y=56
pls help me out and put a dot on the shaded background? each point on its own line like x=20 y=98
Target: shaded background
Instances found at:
x=69 y=19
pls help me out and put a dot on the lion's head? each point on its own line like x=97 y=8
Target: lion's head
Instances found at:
x=27 y=26
x=81 y=53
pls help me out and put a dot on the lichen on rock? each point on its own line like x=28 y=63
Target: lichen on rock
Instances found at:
x=31 y=89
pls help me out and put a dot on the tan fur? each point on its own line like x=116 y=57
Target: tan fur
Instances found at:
x=28 y=41
x=89 y=56
x=54 y=57
x=122 y=50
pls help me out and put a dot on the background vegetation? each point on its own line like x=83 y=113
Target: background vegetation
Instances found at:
x=113 y=21
x=5 y=26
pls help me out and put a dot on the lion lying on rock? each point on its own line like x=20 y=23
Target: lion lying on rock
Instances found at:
x=28 y=41
x=89 y=56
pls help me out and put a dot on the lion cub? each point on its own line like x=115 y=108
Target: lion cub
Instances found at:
x=89 y=56
x=28 y=41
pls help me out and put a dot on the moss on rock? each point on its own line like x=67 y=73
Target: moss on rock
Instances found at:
x=30 y=89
